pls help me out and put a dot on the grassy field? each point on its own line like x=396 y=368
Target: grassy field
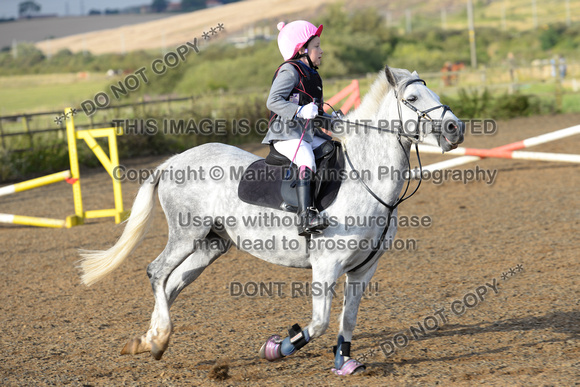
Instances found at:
x=47 y=92
x=508 y=14
x=38 y=93
x=517 y=14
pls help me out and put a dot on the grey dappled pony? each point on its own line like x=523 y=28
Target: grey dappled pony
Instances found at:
x=397 y=96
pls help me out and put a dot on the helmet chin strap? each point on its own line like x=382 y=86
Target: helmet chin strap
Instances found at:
x=309 y=60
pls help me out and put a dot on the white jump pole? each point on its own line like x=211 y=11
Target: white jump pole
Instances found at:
x=541 y=139
x=32 y=221
x=540 y=156
x=34 y=183
x=532 y=141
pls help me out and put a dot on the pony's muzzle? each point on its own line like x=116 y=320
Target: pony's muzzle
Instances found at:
x=452 y=131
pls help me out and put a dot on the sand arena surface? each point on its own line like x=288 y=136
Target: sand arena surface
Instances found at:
x=56 y=331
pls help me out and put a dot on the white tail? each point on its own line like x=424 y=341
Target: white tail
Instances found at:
x=97 y=264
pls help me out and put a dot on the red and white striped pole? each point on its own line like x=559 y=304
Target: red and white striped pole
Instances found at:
x=482 y=153
x=504 y=151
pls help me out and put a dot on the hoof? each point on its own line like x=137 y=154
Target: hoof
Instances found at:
x=271 y=350
x=350 y=367
x=157 y=352
x=135 y=346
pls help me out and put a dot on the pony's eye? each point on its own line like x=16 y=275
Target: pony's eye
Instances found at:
x=412 y=98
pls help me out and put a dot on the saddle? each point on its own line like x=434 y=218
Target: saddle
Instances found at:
x=271 y=182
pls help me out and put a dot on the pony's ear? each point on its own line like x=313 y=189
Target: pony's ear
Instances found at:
x=415 y=73
x=390 y=77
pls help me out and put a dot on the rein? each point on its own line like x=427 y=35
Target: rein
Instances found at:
x=391 y=208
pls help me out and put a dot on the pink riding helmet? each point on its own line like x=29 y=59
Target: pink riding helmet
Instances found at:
x=293 y=35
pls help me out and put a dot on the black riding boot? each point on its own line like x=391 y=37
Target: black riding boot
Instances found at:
x=310 y=220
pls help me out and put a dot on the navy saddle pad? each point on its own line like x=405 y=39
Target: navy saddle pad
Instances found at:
x=271 y=182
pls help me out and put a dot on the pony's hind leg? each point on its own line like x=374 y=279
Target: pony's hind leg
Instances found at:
x=207 y=251
x=157 y=337
x=171 y=272
x=355 y=284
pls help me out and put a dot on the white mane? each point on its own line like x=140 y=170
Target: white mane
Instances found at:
x=372 y=101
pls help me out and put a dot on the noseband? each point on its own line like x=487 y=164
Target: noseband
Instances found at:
x=435 y=124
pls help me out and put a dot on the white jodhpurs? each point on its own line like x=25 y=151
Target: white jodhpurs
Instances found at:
x=304 y=156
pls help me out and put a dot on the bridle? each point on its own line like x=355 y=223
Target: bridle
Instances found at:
x=414 y=138
x=435 y=124
x=421 y=114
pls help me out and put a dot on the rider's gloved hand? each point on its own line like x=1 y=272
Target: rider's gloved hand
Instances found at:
x=307 y=111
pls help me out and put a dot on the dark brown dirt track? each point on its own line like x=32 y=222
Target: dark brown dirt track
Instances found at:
x=55 y=331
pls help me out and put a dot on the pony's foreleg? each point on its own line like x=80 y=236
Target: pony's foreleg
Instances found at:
x=157 y=337
x=323 y=288
x=353 y=291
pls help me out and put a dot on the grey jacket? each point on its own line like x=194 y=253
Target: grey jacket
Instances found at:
x=285 y=125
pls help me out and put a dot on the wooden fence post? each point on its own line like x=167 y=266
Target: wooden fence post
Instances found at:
x=2 y=135
x=27 y=129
